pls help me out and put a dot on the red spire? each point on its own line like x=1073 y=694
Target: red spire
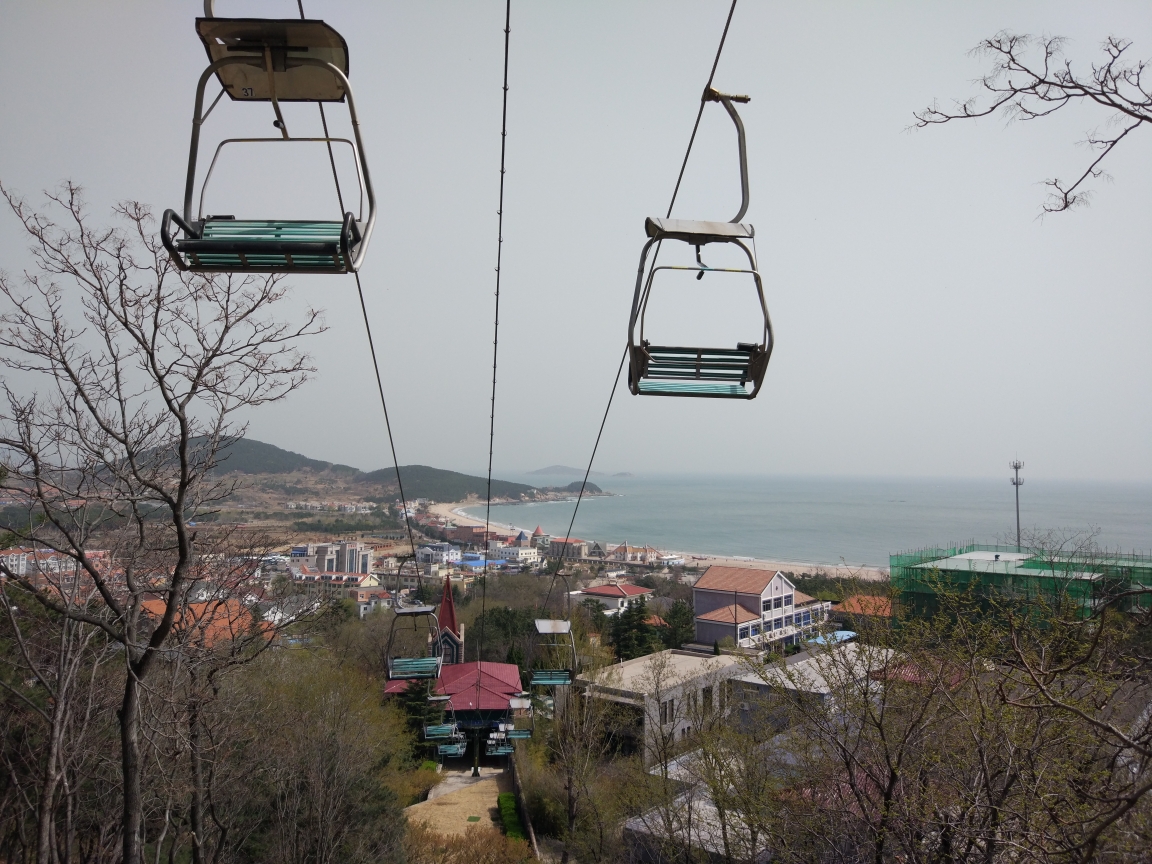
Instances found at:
x=537 y=532
x=447 y=614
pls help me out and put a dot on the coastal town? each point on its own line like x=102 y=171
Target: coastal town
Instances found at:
x=578 y=433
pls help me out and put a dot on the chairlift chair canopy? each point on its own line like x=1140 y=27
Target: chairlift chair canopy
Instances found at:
x=288 y=41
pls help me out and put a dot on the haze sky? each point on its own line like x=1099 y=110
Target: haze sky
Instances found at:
x=928 y=323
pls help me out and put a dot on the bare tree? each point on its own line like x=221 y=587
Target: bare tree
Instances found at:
x=116 y=445
x=1031 y=78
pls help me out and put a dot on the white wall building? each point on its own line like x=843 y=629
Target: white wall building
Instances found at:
x=438 y=553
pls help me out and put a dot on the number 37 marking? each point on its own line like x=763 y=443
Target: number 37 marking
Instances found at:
x=247 y=91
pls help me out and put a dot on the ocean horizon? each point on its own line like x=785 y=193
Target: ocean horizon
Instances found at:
x=824 y=520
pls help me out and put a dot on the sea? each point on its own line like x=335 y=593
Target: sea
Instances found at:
x=824 y=520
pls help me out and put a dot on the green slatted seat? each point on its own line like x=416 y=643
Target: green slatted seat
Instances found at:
x=519 y=733
x=499 y=750
x=234 y=244
x=551 y=677
x=442 y=730
x=693 y=388
x=412 y=668
x=715 y=372
x=452 y=749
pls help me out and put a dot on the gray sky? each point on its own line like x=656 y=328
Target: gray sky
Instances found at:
x=927 y=322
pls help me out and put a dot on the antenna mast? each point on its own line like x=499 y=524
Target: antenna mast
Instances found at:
x=1016 y=465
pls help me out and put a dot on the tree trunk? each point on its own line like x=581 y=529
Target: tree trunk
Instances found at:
x=197 y=814
x=44 y=820
x=130 y=768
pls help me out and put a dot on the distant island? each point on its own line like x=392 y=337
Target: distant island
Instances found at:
x=567 y=470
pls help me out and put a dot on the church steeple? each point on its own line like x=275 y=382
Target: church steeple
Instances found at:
x=450 y=640
x=447 y=613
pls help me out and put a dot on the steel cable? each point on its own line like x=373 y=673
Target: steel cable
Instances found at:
x=655 y=255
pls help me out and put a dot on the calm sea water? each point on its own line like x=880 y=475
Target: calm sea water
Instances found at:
x=826 y=520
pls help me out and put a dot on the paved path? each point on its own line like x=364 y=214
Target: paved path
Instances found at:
x=461 y=800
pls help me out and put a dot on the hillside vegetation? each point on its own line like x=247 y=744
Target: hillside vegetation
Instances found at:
x=315 y=477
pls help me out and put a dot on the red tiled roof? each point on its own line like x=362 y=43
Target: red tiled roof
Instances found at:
x=725 y=614
x=867 y=604
x=212 y=622
x=570 y=540
x=499 y=682
x=616 y=591
x=801 y=599
x=655 y=621
x=537 y=532
x=743 y=580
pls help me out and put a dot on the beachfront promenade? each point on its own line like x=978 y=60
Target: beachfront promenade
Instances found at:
x=454 y=512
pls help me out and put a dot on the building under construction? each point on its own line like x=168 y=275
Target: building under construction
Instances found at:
x=1085 y=580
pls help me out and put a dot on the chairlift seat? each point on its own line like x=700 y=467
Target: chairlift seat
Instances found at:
x=499 y=750
x=551 y=677
x=520 y=733
x=288 y=41
x=439 y=730
x=452 y=749
x=414 y=668
x=270 y=246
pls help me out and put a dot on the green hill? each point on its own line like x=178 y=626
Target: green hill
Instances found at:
x=248 y=456
x=421 y=481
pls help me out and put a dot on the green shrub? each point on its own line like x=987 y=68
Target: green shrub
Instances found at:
x=428 y=765
x=506 y=801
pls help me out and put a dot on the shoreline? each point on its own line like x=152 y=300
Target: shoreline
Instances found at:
x=868 y=573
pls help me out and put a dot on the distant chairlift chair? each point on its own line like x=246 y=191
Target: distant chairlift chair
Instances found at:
x=556 y=636
x=498 y=744
x=271 y=60
x=413 y=668
x=519 y=728
x=718 y=373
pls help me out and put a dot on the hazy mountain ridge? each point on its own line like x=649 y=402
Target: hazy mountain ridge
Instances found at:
x=316 y=477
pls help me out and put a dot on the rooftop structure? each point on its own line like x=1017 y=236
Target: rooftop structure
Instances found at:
x=1010 y=571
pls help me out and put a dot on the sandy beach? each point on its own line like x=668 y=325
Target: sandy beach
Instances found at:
x=455 y=512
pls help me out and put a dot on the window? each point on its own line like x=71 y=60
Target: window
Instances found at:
x=755 y=629
x=787 y=620
x=667 y=712
x=807 y=618
x=787 y=599
x=778 y=624
x=766 y=605
x=744 y=632
x=706 y=697
x=779 y=601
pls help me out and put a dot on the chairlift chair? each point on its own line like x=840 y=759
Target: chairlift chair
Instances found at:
x=498 y=746
x=413 y=668
x=271 y=60
x=517 y=728
x=457 y=748
x=676 y=370
x=556 y=636
x=442 y=731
